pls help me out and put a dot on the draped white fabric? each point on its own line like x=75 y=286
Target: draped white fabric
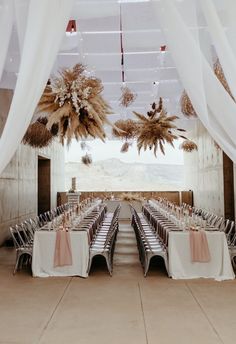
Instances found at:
x=214 y=106
x=21 y=12
x=221 y=43
x=230 y=10
x=6 y=22
x=46 y=24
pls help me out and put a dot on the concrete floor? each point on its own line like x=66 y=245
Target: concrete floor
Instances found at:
x=126 y=308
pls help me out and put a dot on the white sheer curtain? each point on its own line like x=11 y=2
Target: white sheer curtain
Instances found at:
x=230 y=10
x=21 y=12
x=221 y=43
x=46 y=24
x=6 y=22
x=214 y=106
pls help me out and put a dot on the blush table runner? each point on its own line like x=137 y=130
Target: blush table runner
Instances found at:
x=199 y=248
x=62 y=252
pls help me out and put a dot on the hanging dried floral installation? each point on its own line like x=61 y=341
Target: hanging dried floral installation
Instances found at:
x=87 y=159
x=125 y=130
x=125 y=147
x=84 y=146
x=73 y=101
x=129 y=197
x=37 y=134
x=188 y=146
x=156 y=129
x=221 y=77
x=216 y=145
x=127 y=97
x=186 y=106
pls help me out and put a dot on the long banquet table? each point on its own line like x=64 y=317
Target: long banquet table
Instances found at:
x=44 y=248
x=179 y=255
x=43 y=255
x=181 y=267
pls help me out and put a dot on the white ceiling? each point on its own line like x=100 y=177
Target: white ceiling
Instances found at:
x=98 y=46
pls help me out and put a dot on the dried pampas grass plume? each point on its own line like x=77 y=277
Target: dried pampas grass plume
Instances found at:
x=216 y=145
x=221 y=77
x=37 y=135
x=127 y=97
x=87 y=159
x=84 y=146
x=156 y=129
x=124 y=129
x=74 y=103
x=188 y=146
x=125 y=147
x=186 y=106
x=128 y=196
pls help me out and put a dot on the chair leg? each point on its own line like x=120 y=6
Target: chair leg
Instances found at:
x=233 y=262
x=166 y=265
x=90 y=263
x=146 y=266
x=18 y=256
x=108 y=262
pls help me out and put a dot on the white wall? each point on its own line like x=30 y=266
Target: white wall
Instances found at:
x=204 y=172
x=18 y=182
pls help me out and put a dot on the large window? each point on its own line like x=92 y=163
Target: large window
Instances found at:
x=112 y=170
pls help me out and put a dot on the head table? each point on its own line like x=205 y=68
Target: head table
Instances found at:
x=44 y=248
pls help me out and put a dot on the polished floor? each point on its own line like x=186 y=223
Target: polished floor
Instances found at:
x=126 y=308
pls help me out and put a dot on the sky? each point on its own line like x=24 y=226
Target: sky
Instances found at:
x=111 y=149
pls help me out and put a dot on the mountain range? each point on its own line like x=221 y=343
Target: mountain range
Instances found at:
x=115 y=175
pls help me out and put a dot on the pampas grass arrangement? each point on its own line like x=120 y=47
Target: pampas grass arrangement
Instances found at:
x=84 y=146
x=128 y=196
x=37 y=135
x=127 y=97
x=125 y=147
x=216 y=145
x=186 y=106
x=156 y=129
x=124 y=129
x=188 y=146
x=87 y=159
x=73 y=101
x=221 y=77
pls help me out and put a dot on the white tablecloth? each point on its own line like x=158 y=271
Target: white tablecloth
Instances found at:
x=181 y=267
x=43 y=255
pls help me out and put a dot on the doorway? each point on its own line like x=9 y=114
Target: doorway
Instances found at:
x=228 y=169
x=44 y=184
